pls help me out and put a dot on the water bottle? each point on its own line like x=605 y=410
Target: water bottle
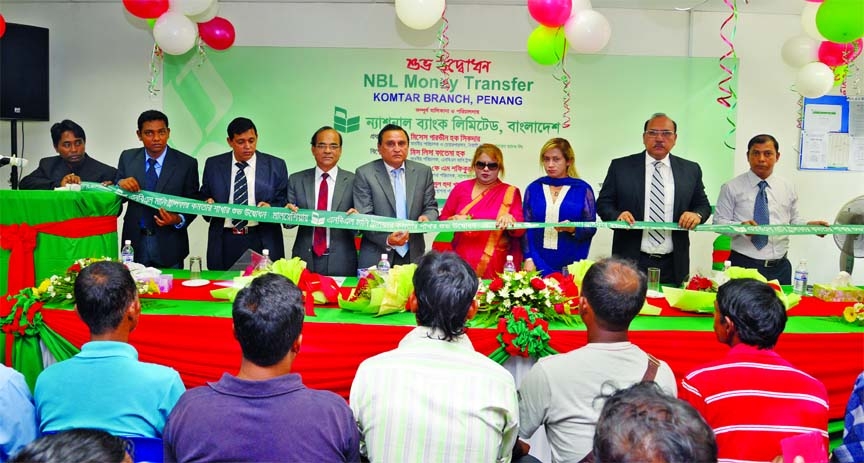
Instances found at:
x=127 y=254
x=800 y=281
x=726 y=265
x=384 y=266
x=265 y=262
x=509 y=266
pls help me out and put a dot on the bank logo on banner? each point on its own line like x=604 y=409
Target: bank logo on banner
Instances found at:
x=343 y=123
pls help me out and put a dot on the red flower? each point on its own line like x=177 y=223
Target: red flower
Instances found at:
x=75 y=268
x=496 y=285
x=559 y=308
x=538 y=284
x=519 y=313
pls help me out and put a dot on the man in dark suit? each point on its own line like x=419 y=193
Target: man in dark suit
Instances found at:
x=243 y=176
x=655 y=186
x=73 y=165
x=159 y=237
x=328 y=251
x=394 y=187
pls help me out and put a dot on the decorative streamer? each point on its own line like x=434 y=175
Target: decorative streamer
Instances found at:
x=202 y=55
x=730 y=99
x=441 y=54
x=155 y=69
x=800 y=121
x=565 y=79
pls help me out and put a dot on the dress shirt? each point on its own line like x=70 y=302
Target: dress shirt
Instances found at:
x=669 y=203
x=392 y=183
x=331 y=186
x=249 y=171
x=17 y=413
x=735 y=205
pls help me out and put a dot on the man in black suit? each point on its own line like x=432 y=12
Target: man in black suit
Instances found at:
x=73 y=165
x=655 y=186
x=243 y=176
x=328 y=251
x=375 y=192
x=159 y=237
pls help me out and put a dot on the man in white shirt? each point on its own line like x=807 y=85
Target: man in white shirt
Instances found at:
x=758 y=197
x=434 y=398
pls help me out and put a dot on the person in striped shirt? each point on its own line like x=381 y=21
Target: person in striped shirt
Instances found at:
x=752 y=398
x=434 y=398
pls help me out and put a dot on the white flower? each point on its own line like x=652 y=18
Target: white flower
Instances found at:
x=504 y=292
x=51 y=289
x=67 y=279
x=68 y=296
x=490 y=297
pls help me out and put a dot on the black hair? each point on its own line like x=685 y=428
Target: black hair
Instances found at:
x=151 y=115
x=763 y=138
x=268 y=317
x=753 y=306
x=658 y=115
x=78 y=445
x=616 y=290
x=324 y=129
x=66 y=126
x=445 y=287
x=240 y=125
x=388 y=128
x=103 y=292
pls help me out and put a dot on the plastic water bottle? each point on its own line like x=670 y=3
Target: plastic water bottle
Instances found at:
x=726 y=265
x=265 y=263
x=127 y=254
x=800 y=281
x=509 y=266
x=384 y=266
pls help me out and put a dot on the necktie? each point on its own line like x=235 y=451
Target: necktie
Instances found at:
x=319 y=235
x=150 y=180
x=760 y=215
x=657 y=203
x=241 y=193
x=401 y=207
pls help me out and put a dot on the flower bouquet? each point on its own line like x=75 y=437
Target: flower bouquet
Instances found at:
x=700 y=292
x=60 y=289
x=522 y=332
x=377 y=295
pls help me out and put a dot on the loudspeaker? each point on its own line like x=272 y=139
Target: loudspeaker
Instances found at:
x=24 y=73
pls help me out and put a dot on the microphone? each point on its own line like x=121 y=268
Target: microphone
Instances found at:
x=13 y=160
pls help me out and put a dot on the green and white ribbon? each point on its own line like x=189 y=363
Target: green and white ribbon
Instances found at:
x=314 y=218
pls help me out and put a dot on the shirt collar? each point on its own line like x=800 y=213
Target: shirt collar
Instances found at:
x=232 y=385
x=754 y=179
x=159 y=160
x=649 y=161
x=97 y=349
x=332 y=172
x=422 y=335
x=250 y=163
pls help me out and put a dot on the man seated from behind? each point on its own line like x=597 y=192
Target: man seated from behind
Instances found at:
x=752 y=398
x=265 y=413
x=78 y=445
x=641 y=423
x=434 y=398
x=17 y=414
x=105 y=386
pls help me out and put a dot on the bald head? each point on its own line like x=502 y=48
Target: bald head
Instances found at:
x=615 y=289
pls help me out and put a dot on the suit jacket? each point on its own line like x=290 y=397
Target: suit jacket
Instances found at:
x=52 y=169
x=624 y=190
x=343 y=252
x=179 y=177
x=271 y=186
x=373 y=194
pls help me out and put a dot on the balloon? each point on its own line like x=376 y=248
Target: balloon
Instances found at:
x=808 y=21
x=175 y=33
x=191 y=7
x=814 y=80
x=841 y=21
x=840 y=74
x=218 y=33
x=146 y=9
x=552 y=13
x=837 y=54
x=208 y=14
x=547 y=45
x=588 y=31
x=2 y=25
x=419 y=14
x=798 y=51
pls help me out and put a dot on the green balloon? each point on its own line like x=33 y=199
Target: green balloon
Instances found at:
x=841 y=21
x=547 y=45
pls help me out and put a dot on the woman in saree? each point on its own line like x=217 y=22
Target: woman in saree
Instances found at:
x=486 y=197
x=559 y=197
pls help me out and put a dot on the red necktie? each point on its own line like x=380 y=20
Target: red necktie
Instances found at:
x=319 y=236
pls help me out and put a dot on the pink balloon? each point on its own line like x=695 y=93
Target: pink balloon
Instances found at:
x=2 y=25
x=146 y=9
x=218 y=33
x=550 y=13
x=838 y=54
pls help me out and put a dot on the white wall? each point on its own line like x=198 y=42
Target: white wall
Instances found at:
x=100 y=67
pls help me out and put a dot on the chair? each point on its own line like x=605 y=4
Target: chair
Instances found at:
x=145 y=449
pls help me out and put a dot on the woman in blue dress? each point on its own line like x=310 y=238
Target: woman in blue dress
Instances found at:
x=560 y=196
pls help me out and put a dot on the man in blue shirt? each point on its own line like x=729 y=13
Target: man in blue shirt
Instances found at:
x=17 y=415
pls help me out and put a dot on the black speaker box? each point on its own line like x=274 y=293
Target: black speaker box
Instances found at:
x=24 y=73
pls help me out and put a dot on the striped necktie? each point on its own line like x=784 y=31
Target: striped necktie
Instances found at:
x=657 y=202
x=241 y=192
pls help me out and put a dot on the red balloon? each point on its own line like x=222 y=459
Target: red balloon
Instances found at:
x=218 y=33
x=146 y=9
x=2 y=25
x=550 y=13
x=838 y=54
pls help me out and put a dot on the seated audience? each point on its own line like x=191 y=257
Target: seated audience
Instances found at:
x=75 y=445
x=17 y=414
x=852 y=448
x=434 y=398
x=641 y=423
x=752 y=398
x=560 y=392
x=105 y=386
x=265 y=413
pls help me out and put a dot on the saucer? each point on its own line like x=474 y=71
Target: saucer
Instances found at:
x=194 y=283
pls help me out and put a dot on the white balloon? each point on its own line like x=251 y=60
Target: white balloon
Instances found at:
x=808 y=20
x=579 y=5
x=798 y=51
x=208 y=14
x=419 y=14
x=587 y=31
x=814 y=80
x=191 y=7
x=175 y=33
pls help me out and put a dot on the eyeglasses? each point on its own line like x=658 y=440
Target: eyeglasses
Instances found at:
x=660 y=133
x=480 y=165
x=324 y=146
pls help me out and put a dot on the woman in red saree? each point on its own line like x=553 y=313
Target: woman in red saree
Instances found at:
x=486 y=197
